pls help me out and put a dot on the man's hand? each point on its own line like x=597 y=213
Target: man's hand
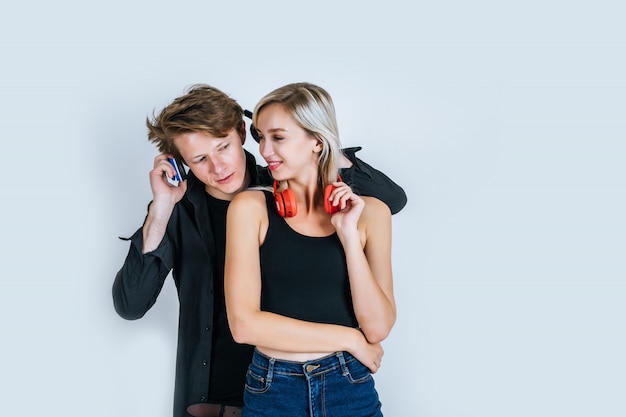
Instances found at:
x=165 y=197
x=162 y=190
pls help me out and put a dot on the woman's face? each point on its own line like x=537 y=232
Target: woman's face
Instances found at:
x=290 y=152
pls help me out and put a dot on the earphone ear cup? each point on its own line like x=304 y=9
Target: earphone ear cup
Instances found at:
x=286 y=203
x=328 y=206
x=253 y=131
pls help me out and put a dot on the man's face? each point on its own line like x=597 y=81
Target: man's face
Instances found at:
x=220 y=163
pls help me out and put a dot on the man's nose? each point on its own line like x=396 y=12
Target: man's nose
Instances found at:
x=216 y=165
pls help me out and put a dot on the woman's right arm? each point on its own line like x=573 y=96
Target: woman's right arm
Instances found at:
x=246 y=222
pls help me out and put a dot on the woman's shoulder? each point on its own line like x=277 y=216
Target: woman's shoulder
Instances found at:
x=375 y=221
x=249 y=197
x=375 y=213
x=376 y=206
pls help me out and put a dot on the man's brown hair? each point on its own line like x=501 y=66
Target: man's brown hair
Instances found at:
x=202 y=109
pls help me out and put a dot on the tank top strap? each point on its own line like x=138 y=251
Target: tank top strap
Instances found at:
x=270 y=202
x=275 y=221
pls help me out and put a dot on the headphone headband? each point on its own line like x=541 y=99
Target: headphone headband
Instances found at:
x=253 y=132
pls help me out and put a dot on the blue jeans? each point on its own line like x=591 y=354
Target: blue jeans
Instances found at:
x=336 y=385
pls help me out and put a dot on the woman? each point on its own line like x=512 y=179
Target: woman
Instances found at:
x=312 y=291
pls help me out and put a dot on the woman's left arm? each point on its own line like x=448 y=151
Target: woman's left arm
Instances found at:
x=368 y=257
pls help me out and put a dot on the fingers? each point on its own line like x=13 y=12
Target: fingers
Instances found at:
x=375 y=366
x=341 y=195
x=163 y=169
x=378 y=359
x=162 y=164
x=369 y=354
x=160 y=158
x=162 y=187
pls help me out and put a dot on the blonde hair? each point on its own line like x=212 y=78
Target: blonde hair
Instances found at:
x=313 y=110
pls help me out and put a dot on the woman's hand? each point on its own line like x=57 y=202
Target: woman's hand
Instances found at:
x=350 y=208
x=369 y=354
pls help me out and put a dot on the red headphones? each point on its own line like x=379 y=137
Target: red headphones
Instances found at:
x=286 y=201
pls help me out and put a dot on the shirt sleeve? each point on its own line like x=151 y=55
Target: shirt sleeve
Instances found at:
x=367 y=181
x=140 y=280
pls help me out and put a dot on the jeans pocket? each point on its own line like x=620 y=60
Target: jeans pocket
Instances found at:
x=357 y=373
x=256 y=379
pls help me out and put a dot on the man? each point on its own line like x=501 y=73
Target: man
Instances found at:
x=184 y=232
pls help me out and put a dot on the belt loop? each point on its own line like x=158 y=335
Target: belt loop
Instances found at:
x=342 y=362
x=270 y=370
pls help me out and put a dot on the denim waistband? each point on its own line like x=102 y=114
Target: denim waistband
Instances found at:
x=332 y=362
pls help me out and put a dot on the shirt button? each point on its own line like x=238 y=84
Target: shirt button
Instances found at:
x=202 y=399
x=207 y=328
x=204 y=362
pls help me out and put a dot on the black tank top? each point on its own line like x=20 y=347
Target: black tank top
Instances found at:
x=304 y=277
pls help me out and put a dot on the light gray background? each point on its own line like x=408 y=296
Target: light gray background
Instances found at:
x=503 y=120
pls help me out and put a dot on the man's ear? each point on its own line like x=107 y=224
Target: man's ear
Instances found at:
x=242 y=132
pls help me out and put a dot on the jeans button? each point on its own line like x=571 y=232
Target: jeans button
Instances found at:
x=311 y=368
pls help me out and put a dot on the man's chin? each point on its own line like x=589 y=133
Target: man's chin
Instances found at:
x=224 y=191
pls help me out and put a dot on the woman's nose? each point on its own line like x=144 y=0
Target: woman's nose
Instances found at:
x=265 y=148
